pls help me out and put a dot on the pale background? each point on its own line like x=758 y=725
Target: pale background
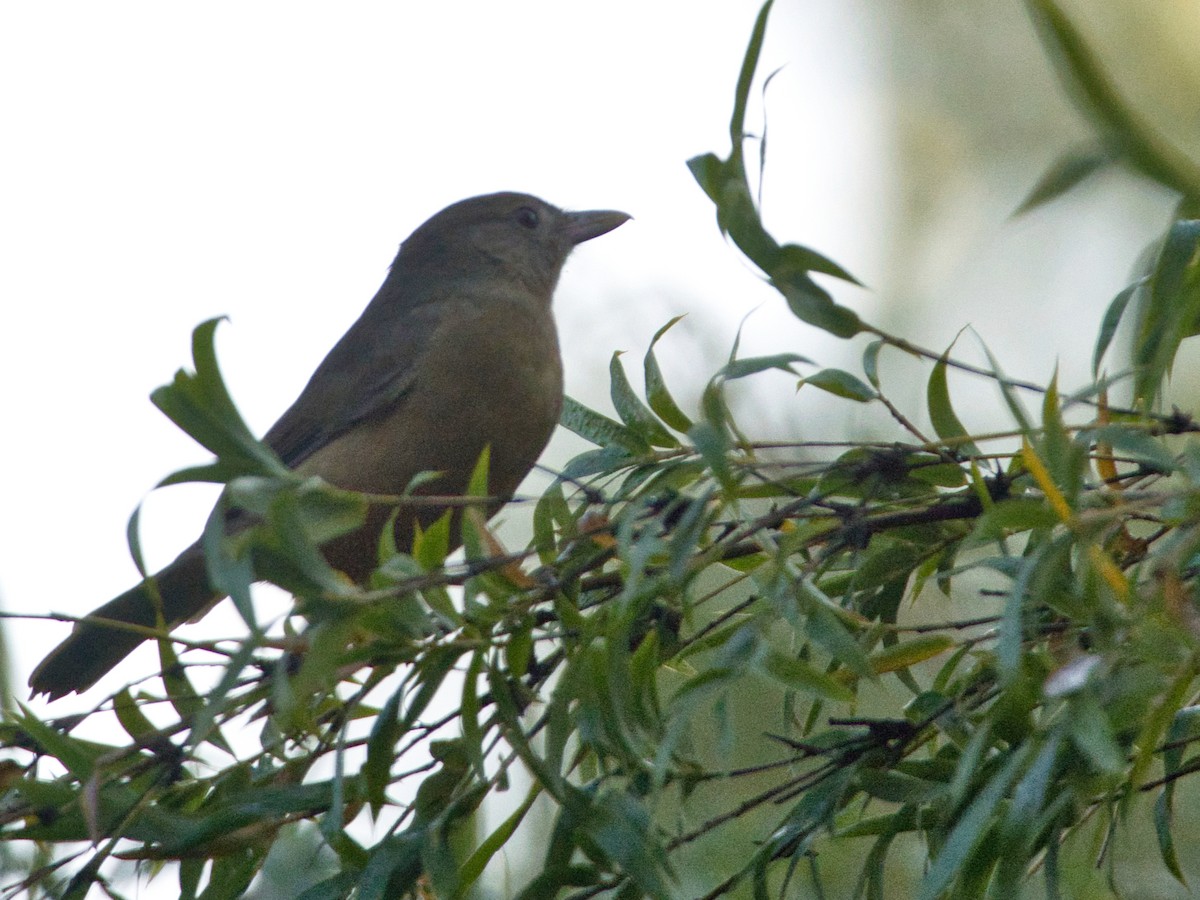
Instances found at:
x=163 y=164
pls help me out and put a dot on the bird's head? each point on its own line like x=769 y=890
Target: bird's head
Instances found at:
x=507 y=236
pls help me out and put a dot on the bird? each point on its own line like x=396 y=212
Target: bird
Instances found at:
x=457 y=352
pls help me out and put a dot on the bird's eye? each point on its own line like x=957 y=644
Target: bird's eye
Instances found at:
x=527 y=217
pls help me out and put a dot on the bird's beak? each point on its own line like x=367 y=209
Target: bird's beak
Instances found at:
x=583 y=226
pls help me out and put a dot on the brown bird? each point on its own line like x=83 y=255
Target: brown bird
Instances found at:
x=457 y=352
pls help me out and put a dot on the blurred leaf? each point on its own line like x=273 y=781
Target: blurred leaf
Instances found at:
x=796 y=674
x=1012 y=516
x=871 y=362
x=1112 y=318
x=659 y=397
x=1124 y=130
x=1067 y=171
x=393 y=868
x=1092 y=734
x=970 y=828
x=1147 y=450
x=622 y=827
x=910 y=652
x=1185 y=728
x=811 y=303
x=1170 y=309
x=493 y=843
x=132 y=719
x=713 y=445
x=381 y=743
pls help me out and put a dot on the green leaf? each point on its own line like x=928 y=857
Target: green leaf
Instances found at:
x=470 y=871
x=229 y=572
x=1092 y=734
x=1170 y=309
x=709 y=171
x=795 y=259
x=970 y=829
x=825 y=627
x=1134 y=443
x=393 y=868
x=600 y=429
x=1112 y=318
x=133 y=540
x=472 y=733
x=712 y=443
x=941 y=412
x=1012 y=516
x=472 y=524
x=381 y=751
x=726 y=184
x=1185 y=729
x=632 y=411
x=78 y=757
x=200 y=404
x=910 y=652
x=621 y=827
x=130 y=715
x=871 y=362
x=797 y=675
x=752 y=365
x=659 y=397
x=841 y=384
x=737 y=121
x=811 y=303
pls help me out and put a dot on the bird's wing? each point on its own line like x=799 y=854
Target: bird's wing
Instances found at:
x=369 y=371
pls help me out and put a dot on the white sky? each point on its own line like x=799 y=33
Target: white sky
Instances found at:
x=163 y=164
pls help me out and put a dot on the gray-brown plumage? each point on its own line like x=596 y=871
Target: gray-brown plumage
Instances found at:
x=457 y=351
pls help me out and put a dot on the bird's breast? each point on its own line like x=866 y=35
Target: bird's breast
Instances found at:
x=489 y=375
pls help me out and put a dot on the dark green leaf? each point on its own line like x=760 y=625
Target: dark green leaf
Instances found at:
x=970 y=829
x=621 y=826
x=600 y=429
x=741 y=368
x=796 y=674
x=632 y=411
x=811 y=303
x=841 y=384
x=1092 y=734
x=1170 y=308
x=381 y=751
x=941 y=412
x=200 y=404
x=659 y=397
x=1112 y=318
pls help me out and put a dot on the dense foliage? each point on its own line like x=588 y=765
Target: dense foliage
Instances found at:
x=676 y=673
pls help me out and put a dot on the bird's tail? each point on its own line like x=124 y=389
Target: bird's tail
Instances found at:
x=94 y=648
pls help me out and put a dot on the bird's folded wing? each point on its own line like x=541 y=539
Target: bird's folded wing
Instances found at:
x=366 y=374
